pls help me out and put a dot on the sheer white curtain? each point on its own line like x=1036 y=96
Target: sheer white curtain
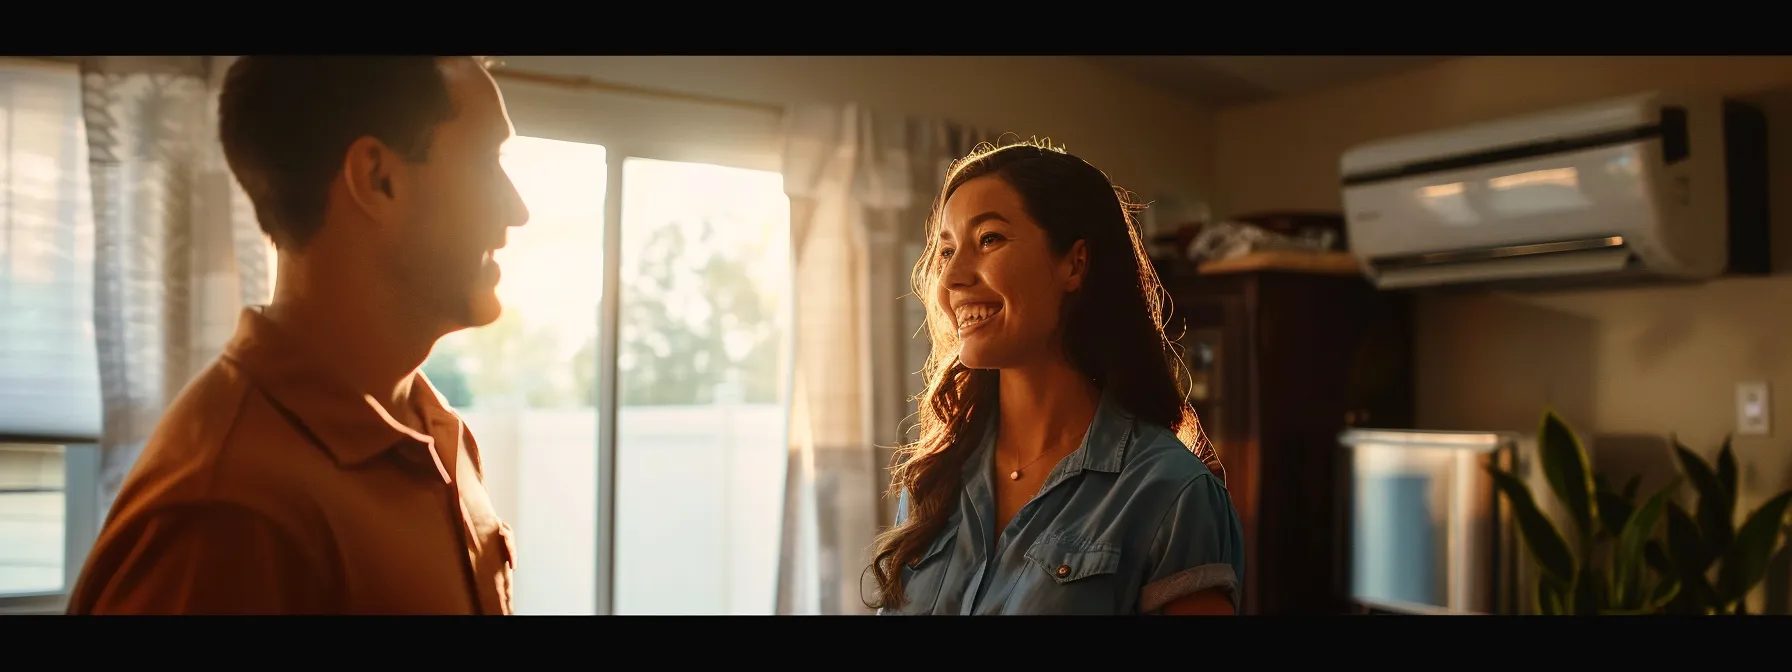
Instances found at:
x=177 y=249
x=860 y=185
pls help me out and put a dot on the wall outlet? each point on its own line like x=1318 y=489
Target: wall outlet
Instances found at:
x=1752 y=406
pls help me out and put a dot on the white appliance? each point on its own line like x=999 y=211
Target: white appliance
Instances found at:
x=1654 y=186
x=1427 y=532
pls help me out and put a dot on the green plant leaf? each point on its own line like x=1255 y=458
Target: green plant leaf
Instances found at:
x=1627 y=555
x=1688 y=553
x=1726 y=471
x=1613 y=513
x=1589 y=592
x=1685 y=545
x=1656 y=555
x=1664 y=592
x=1550 y=594
x=1566 y=469
x=1540 y=536
x=1746 y=562
x=1615 y=506
x=1716 y=508
x=1695 y=598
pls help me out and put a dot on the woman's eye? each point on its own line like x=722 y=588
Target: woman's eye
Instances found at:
x=989 y=238
x=945 y=253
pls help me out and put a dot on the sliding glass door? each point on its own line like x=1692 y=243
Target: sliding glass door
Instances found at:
x=700 y=449
x=634 y=435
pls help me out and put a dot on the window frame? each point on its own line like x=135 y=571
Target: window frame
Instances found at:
x=80 y=522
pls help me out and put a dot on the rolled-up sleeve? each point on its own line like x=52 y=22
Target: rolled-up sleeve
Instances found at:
x=1199 y=546
x=200 y=559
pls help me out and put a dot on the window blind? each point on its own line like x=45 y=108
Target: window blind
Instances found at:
x=49 y=377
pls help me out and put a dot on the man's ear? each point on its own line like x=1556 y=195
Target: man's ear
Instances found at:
x=370 y=172
x=1076 y=263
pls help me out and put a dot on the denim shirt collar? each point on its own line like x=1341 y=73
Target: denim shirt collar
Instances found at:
x=1110 y=434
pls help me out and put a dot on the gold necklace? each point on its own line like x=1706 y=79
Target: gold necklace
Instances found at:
x=1015 y=475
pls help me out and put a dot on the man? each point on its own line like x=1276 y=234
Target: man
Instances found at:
x=311 y=469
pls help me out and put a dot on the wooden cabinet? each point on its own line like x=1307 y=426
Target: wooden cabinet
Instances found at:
x=1280 y=362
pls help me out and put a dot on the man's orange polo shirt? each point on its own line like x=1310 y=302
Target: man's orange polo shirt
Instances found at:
x=268 y=487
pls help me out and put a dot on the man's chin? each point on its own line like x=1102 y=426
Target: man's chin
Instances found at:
x=483 y=308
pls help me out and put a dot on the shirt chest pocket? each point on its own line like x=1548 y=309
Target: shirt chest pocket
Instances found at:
x=922 y=579
x=1070 y=576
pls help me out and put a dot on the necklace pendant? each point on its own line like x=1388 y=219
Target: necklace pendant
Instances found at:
x=1014 y=475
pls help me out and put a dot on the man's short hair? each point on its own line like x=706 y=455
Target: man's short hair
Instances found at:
x=286 y=123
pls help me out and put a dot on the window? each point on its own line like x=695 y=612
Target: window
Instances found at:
x=672 y=286
x=700 y=446
x=48 y=517
x=31 y=519
x=49 y=380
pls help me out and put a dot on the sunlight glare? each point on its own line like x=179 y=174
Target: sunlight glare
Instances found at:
x=550 y=272
x=748 y=208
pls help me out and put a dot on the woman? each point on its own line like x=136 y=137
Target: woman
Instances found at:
x=1057 y=469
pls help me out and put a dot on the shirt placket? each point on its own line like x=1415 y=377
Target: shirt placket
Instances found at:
x=982 y=519
x=983 y=500
x=485 y=590
x=456 y=510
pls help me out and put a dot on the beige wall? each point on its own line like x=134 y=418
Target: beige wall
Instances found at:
x=1625 y=363
x=1153 y=142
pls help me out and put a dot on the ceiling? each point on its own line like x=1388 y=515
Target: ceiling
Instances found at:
x=1236 y=80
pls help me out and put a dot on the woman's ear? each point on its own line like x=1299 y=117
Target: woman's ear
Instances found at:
x=1076 y=265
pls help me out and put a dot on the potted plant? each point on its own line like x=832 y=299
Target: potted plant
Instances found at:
x=1615 y=562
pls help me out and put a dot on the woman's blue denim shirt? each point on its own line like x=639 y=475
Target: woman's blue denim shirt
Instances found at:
x=1127 y=523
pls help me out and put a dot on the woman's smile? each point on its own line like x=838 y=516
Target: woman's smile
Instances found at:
x=972 y=316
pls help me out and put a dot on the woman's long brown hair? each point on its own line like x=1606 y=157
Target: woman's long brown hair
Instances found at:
x=1113 y=333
